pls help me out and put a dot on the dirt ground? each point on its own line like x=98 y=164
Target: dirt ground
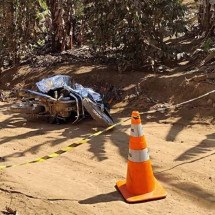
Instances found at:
x=181 y=144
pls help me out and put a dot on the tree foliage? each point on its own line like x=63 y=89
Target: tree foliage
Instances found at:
x=131 y=30
x=135 y=28
x=18 y=28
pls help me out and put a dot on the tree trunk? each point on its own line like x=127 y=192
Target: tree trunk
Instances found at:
x=7 y=32
x=207 y=16
x=62 y=24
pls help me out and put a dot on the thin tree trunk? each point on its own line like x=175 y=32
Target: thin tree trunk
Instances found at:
x=207 y=16
x=62 y=24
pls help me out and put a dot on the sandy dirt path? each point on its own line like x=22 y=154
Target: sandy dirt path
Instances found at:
x=82 y=181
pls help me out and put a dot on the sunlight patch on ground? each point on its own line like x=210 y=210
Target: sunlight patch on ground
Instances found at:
x=84 y=69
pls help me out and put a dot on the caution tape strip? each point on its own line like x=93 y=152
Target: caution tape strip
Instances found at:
x=63 y=150
x=86 y=139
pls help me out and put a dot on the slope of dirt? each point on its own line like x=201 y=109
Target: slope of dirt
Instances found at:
x=181 y=143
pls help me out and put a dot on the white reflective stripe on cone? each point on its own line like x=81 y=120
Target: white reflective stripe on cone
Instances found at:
x=138 y=155
x=136 y=130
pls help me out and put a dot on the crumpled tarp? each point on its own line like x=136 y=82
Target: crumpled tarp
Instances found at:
x=52 y=83
x=87 y=92
x=60 y=81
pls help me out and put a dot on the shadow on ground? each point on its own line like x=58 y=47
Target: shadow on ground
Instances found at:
x=66 y=131
x=205 y=146
x=107 y=197
x=191 y=190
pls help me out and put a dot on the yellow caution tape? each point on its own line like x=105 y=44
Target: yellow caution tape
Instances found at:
x=85 y=140
x=65 y=149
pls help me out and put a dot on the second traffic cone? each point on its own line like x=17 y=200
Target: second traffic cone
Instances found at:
x=140 y=184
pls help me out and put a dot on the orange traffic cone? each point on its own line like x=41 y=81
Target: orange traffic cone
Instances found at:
x=140 y=184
